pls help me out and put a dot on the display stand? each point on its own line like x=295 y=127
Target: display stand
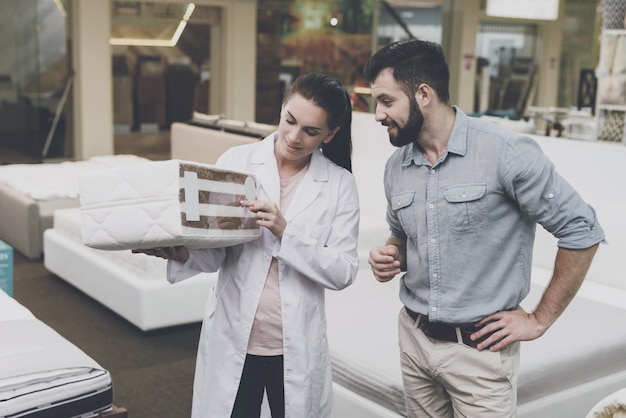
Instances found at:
x=611 y=97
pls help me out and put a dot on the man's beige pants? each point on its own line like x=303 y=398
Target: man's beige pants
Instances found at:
x=450 y=379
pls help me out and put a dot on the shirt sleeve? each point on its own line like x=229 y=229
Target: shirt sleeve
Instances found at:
x=546 y=197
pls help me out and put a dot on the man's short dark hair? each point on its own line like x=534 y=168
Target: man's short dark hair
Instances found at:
x=413 y=62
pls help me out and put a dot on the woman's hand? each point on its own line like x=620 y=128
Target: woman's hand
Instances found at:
x=267 y=215
x=180 y=253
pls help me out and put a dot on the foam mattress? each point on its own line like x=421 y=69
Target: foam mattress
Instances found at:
x=166 y=203
x=42 y=373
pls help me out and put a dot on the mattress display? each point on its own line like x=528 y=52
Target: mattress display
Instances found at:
x=53 y=181
x=366 y=359
x=44 y=375
x=132 y=285
x=166 y=203
x=67 y=223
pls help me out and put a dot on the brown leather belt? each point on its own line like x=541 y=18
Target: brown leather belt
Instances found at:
x=445 y=332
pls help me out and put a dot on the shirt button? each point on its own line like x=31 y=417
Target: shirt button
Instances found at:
x=432 y=241
x=431 y=206
x=434 y=309
x=551 y=196
x=463 y=195
x=432 y=171
x=434 y=275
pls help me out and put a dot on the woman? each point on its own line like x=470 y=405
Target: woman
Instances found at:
x=264 y=326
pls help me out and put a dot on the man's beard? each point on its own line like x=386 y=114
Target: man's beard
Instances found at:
x=412 y=128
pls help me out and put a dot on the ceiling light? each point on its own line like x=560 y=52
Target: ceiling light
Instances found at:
x=172 y=41
x=61 y=7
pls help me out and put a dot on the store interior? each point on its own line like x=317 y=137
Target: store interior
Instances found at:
x=85 y=82
x=162 y=66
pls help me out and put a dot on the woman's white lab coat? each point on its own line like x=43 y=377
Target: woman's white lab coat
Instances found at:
x=318 y=251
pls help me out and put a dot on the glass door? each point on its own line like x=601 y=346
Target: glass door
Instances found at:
x=35 y=81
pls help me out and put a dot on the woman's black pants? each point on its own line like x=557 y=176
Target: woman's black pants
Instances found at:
x=260 y=373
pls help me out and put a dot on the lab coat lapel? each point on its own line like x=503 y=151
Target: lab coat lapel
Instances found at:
x=263 y=165
x=310 y=186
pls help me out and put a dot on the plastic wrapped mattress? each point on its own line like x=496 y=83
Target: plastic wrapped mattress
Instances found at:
x=44 y=375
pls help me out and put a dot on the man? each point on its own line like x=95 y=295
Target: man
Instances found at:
x=464 y=197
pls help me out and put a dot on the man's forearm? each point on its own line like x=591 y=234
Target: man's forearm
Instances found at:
x=570 y=269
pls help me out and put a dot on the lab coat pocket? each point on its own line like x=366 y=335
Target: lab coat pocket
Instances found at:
x=467 y=207
x=316 y=232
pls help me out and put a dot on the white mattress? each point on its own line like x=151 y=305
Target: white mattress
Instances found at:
x=586 y=343
x=67 y=222
x=132 y=285
x=362 y=336
x=43 y=373
x=50 y=181
x=166 y=203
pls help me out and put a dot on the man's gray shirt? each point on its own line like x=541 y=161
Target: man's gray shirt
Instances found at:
x=469 y=219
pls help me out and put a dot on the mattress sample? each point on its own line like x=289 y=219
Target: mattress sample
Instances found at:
x=42 y=373
x=67 y=222
x=166 y=203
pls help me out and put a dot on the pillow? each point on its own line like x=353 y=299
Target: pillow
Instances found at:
x=613 y=14
x=619 y=62
x=612 y=89
x=607 y=54
x=613 y=127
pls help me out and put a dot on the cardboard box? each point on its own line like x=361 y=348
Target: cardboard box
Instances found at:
x=6 y=268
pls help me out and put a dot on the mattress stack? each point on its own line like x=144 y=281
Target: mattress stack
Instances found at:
x=166 y=203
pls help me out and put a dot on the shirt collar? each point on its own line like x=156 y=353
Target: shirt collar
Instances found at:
x=457 y=143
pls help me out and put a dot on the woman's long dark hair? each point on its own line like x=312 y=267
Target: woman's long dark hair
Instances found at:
x=330 y=95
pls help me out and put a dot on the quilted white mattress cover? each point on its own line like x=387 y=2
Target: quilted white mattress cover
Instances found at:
x=67 y=222
x=166 y=203
x=37 y=365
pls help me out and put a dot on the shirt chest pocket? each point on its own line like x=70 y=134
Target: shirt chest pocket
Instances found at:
x=402 y=204
x=467 y=207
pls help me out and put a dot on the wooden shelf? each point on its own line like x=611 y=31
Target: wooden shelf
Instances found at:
x=617 y=108
x=615 y=32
